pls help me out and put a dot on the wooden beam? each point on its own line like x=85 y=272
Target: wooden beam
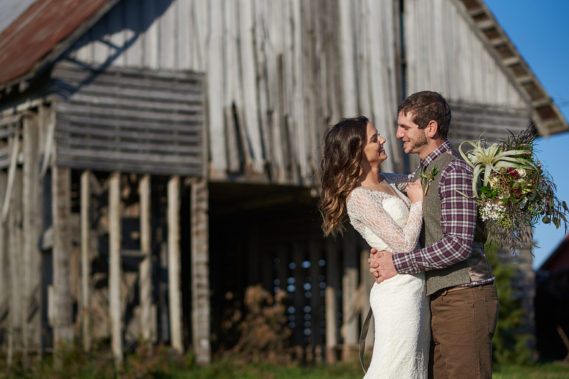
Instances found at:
x=349 y=284
x=4 y=269
x=200 y=272
x=14 y=232
x=115 y=306
x=315 y=298
x=174 y=294
x=298 y=301
x=32 y=229
x=366 y=284
x=62 y=303
x=147 y=325
x=85 y=260
x=332 y=287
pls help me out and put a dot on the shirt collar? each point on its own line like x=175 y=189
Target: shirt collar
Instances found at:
x=432 y=156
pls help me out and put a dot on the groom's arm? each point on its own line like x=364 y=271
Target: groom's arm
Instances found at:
x=458 y=224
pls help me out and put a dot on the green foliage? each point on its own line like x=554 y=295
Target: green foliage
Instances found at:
x=509 y=345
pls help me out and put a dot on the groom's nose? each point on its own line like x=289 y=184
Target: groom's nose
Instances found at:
x=399 y=133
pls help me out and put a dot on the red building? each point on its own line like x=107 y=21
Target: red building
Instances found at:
x=552 y=305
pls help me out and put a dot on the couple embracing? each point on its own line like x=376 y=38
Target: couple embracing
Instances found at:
x=434 y=303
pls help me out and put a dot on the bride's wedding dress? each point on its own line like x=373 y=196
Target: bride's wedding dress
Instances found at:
x=400 y=307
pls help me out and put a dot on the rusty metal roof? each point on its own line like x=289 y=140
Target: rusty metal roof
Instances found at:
x=29 y=39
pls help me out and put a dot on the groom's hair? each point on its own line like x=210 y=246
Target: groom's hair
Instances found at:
x=427 y=106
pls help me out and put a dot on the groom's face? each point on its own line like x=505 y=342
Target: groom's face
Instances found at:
x=414 y=139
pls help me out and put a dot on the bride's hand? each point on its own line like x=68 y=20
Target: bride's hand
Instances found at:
x=415 y=191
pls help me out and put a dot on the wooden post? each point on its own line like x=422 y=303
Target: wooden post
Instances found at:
x=146 y=315
x=14 y=233
x=282 y=269
x=315 y=298
x=115 y=307
x=298 y=332
x=32 y=228
x=174 y=295
x=332 y=286
x=349 y=284
x=366 y=284
x=4 y=268
x=62 y=303
x=200 y=272
x=85 y=260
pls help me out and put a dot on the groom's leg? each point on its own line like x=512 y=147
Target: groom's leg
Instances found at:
x=463 y=323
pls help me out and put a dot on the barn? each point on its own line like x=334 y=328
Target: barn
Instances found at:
x=159 y=155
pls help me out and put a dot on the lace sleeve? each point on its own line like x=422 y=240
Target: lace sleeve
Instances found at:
x=365 y=210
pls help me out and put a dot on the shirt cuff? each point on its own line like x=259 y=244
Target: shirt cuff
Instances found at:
x=404 y=263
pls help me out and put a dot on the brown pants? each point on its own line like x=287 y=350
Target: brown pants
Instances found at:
x=462 y=325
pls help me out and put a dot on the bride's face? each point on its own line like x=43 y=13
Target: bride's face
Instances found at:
x=373 y=150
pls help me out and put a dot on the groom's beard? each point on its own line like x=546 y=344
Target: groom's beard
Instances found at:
x=413 y=145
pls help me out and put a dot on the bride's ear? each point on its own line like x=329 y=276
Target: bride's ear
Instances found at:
x=432 y=129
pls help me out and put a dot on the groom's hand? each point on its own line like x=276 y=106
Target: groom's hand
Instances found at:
x=381 y=265
x=373 y=263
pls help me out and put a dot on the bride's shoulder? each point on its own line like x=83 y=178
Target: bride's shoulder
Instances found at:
x=355 y=193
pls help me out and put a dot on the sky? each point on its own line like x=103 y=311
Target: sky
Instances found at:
x=539 y=30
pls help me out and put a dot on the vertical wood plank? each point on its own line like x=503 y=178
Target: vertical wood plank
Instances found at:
x=115 y=307
x=366 y=284
x=298 y=332
x=174 y=295
x=4 y=271
x=282 y=269
x=200 y=272
x=62 y=301
x=146 y=310
x=349 y=285
x=332 y=287
x=32 y=228
x=14 y=213
x=85 y=260
x=315 y=298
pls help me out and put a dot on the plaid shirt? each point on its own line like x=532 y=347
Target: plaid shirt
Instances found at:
x=458 y=221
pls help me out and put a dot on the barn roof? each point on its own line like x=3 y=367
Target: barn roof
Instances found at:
x=48 y=27
x=41 y=33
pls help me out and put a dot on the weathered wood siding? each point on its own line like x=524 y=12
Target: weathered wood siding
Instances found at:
x=472 y=121
x=443 y=53
x=278 y=72
x=131 y=120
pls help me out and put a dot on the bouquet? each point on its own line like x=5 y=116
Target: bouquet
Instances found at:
x=512 y=190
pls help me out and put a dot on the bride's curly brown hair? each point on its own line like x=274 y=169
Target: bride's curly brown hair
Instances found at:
x=341 y=169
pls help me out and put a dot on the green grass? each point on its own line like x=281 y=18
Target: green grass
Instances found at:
x=535 y=371
x=162 y=363
x=251 y=371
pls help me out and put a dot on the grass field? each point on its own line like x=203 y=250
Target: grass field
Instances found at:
x=345 y=371
x=165 y=365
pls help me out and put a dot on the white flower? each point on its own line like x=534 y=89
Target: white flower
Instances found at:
x=521 y=172
x=491 y=211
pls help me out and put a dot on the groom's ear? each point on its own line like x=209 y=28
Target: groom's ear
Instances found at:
x=432 y=129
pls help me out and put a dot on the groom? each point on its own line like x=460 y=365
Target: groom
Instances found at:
x=464 y=303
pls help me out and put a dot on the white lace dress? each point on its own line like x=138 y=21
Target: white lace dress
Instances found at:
x=400 y=307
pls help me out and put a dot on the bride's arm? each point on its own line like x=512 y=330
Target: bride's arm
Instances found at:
x=362 y=208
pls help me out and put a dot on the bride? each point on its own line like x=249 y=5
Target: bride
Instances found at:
x=387 y=220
